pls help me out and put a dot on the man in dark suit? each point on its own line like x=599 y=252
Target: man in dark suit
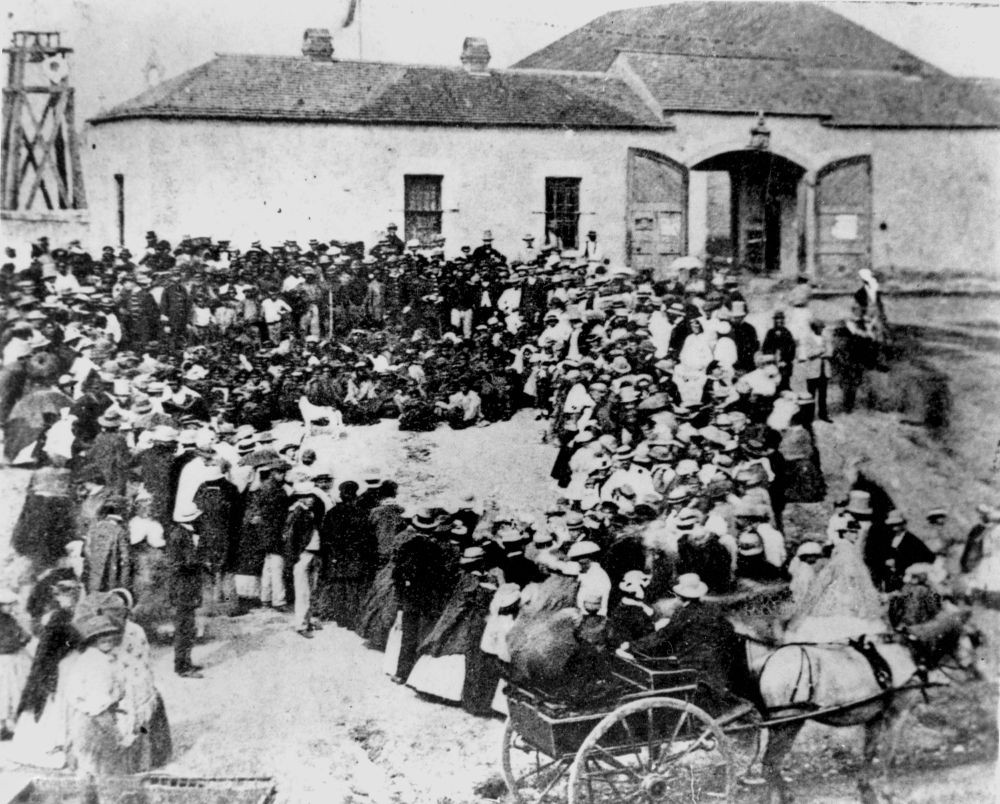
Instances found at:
x=780 y=342
x=186 y=568
x=892 y=550
x=486 y=254
x=744 y=336
x=702 y=639
x=395 y=242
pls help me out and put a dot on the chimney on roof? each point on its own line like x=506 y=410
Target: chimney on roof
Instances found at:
x=475 y=54
x=317 y=44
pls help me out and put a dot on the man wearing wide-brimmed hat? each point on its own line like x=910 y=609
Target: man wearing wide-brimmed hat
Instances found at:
x=259 y=562
x=109 y=459
x=701 y=638
x=186 y=576
x=486 y=254
x=893 y=551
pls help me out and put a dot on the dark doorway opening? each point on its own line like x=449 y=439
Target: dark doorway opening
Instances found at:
x=766 y=224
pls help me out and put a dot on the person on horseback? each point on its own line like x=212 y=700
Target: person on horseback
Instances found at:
x=702 y=639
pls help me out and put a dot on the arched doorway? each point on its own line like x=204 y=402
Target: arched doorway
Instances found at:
x=755 y=212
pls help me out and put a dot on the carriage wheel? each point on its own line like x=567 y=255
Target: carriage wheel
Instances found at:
x=653 y=750
x=531 y=777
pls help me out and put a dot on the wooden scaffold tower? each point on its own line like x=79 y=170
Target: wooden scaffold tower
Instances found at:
x=41 y=152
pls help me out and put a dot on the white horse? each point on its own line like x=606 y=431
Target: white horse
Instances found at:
x=837 y=685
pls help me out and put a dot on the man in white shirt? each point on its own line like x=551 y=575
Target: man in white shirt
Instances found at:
x=594 y=581
x=462 y=408
x=274 y=310
x=528 y=253
x=293 y=280
x=556 y=330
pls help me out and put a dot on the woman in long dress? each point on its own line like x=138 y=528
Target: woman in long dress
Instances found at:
x=94 y=689
x=146 y=734
x=40 y=736
x=46 y=523
x=443 y=667
x=352 y=553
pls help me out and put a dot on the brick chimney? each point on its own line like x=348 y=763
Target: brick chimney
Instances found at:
x=475 y=55
x=317 y=44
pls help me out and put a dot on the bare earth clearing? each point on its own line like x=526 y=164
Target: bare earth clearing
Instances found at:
x=323 y=719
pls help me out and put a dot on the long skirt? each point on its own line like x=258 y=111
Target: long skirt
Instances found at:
x=96 y=746
x=43 y=742
x=160 y=742
x=345 y=596
x=43 y=528
x=14 y=669
x=440 y=676
x=482 y=676
x=393 y=643
x=150 y=584
x=561 y=472
x=378 y=611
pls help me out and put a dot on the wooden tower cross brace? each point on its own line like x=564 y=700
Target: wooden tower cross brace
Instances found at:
x=41 y=167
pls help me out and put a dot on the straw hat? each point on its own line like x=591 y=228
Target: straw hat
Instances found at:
x=582 y=549
x=690 y=586
x=112 y=417
x=424 y=519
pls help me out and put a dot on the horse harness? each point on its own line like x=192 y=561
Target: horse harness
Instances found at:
x=863 y=645
x=880 y=667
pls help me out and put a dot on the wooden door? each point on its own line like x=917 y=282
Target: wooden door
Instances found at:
x=844 y=217
x=657 y=210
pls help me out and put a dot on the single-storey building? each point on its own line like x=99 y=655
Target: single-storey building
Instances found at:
x=779 y=134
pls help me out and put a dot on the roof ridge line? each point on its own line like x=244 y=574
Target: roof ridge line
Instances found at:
x=409 y=65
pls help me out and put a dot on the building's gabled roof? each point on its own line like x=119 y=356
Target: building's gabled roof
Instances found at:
x=780 y=58
x=805 y=34
x=840 y=97
x=298 y=89
x=711 y=84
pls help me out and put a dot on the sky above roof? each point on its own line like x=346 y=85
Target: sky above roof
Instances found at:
x=115 y=40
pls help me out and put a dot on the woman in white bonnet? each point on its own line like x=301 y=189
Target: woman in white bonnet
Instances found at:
x=869 y=298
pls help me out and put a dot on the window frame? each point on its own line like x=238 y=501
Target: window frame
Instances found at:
x=562 y=206
x=423 y=210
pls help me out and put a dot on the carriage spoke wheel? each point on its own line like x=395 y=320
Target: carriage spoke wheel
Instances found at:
x=531 y=777
x=653 y=751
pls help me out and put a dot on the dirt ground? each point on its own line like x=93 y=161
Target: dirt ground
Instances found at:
x=323 y=719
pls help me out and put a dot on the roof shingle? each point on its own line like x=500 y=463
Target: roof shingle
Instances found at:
x=290 y=88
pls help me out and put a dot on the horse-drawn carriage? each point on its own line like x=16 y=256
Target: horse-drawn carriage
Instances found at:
x=650 y=742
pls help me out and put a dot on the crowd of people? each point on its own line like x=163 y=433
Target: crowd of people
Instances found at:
x=143 y=396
